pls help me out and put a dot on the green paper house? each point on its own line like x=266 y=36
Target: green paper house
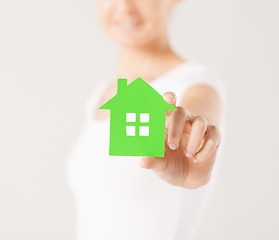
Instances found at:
x=137 y=120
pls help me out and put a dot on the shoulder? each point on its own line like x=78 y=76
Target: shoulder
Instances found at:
x=205 y=93
x=201 y=96
x=202 y=90
x=204 y=82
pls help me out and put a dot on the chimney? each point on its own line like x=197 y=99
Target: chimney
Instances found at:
x=121 y=85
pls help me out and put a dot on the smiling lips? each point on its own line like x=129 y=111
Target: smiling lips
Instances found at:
x=127 y=24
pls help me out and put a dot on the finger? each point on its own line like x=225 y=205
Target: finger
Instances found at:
x=196 y=138
x=170 y=98
x=176 y=126
x=211 y=142
x=157 y=164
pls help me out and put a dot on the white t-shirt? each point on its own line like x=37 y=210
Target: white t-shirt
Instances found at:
x=118 y=199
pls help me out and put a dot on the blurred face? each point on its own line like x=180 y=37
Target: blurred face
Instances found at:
x=134 y=22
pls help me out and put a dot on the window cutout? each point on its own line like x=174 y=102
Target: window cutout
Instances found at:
x=130 y=117
x=130 y=130
x=144 y=131
x=144 y=117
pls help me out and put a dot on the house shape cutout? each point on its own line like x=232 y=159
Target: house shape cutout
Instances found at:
x=137 y=120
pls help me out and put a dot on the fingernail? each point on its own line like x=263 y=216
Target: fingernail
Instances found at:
x=195 y=160
x=188 y=154
x=172 y=146
x=170 y=97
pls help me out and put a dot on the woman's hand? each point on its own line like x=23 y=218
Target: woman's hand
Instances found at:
x=191 y=144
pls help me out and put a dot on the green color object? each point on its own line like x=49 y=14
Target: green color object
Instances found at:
x=137 y=120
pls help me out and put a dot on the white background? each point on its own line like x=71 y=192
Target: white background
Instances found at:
x=53 y=52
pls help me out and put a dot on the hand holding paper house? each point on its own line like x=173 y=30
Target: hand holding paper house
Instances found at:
x=137 y=120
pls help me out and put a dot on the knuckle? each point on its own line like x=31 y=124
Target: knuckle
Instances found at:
x=173 y=135
x=211 y=143
x=180 y=112
x=200 y=122
x=217 y=132
x=213 y=128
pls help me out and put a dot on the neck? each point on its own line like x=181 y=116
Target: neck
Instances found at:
x=148 y=61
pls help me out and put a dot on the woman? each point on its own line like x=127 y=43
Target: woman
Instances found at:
x=146 y=198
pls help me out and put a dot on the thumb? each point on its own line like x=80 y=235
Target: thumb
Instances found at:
x=157 y=164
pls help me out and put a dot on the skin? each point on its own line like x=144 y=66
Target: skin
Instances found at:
x=192 y=136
